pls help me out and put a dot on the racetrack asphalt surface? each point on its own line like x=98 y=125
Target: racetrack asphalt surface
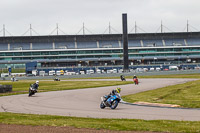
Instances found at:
x=85 y=103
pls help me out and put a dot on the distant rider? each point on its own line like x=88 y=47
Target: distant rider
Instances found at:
x=36 y=85
x=13 y=78
x=134 y=77
x=135 y=80
x=122 y=77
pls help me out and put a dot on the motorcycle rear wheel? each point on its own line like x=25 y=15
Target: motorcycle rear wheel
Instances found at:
x=30 y=94
x=114 y=104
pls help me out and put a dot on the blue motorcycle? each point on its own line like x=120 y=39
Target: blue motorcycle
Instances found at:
x=111 y=102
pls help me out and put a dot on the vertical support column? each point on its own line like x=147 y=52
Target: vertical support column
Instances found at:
x=31 y=46
x=75 y=42
x=125 y=42
x=185 y=42
x=97 y=44
x=76 y=45
x=120 y=44
x=53 y=45
x=8 y=46
x=142 y=44
x=163 y=41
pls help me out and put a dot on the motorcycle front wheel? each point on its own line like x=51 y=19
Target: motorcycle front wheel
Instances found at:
x=114 y=104
x=102 y=106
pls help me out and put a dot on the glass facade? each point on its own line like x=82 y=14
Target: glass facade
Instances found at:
x=94 y=53
x=100 y=49
x=98 y=55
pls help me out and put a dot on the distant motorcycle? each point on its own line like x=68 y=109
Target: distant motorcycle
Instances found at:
x=56 y=79
x=13 y=79
x=32 y=90
x=122 y=78
x=111 y=102
x=135 y=80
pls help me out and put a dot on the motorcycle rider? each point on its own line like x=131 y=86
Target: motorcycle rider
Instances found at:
x=134 y=77
x=122 y=77
x=36 y=85
x=113 y=92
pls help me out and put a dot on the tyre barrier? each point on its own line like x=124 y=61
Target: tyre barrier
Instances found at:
x=5 y=88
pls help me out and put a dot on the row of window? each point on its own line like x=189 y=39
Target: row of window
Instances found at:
x=103 y=44
x=117 y=51
x=101 y=56
x=59 y=52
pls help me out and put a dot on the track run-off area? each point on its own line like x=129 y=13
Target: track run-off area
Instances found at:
x=85 y=103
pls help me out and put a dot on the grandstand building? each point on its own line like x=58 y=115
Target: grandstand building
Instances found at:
x=100 y=50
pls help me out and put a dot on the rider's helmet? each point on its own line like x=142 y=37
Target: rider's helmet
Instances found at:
x=37 y=82
x=134 y=75
x=118 y=90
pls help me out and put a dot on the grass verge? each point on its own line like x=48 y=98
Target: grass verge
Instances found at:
x=194 y=75
x=186 y=95
x=21 y=70
x=108 y=124
x=22 y=87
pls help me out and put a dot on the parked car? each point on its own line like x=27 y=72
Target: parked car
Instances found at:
x=158 y=69
x=173 y=67
x=151 y=69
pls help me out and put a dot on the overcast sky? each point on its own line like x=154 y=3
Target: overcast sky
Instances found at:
x=43 y=15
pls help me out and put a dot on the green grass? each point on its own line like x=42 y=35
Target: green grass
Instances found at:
x=186 y=95
x=21 y=70
x=108 y=124
x=22 y=86
x=194 y=75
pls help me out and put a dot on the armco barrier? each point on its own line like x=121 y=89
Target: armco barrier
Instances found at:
x=5 y=88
